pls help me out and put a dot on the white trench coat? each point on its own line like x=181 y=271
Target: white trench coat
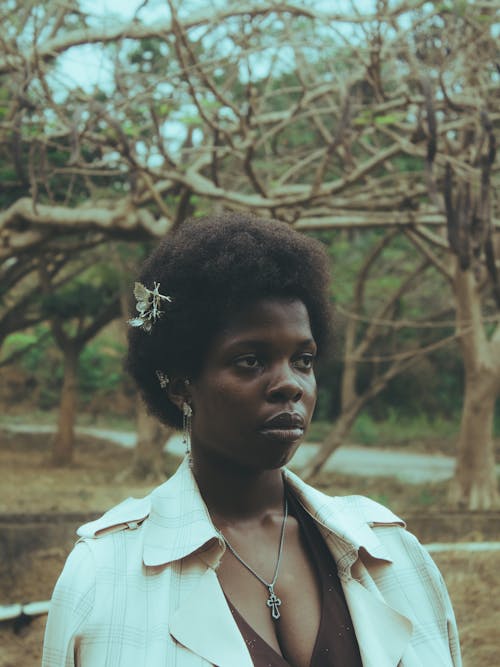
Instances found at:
x=140 y=588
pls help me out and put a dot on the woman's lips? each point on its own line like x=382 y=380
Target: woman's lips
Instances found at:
x=286 y=435
x=285 y=420
x=284 y=427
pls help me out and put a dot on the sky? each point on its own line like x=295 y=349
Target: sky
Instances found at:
x=86 y=64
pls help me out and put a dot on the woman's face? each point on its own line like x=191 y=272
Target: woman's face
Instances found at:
x=255 y=396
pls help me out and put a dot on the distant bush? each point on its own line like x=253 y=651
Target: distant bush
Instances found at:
x=101 y=368
x=417 y=431
x=43 y=363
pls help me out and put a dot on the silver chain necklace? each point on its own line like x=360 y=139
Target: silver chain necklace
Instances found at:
x=273 y=601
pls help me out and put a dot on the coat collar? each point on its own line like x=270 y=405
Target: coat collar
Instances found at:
x=345 y=522
x=176 y=521
x=179 y=522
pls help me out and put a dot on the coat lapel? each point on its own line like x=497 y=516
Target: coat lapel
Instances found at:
x=204 y=624
x=382 y=632
x=180 y=533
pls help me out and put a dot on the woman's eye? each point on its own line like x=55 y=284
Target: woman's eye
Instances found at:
x=304 y=362
x=247 y=362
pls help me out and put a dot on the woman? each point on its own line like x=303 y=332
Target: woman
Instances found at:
x=234 y=561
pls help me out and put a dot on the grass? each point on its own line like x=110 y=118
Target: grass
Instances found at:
x=403 y=430
x=397 y=495
x=418 y=433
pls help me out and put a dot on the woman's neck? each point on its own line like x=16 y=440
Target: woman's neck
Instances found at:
x=233 y=492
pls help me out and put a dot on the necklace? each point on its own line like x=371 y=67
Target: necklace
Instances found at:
x=273 y=601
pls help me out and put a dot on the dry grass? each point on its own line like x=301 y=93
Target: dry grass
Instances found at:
x=31 y=484
x=473 y=581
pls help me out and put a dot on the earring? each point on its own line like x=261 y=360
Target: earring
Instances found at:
x=187 y=413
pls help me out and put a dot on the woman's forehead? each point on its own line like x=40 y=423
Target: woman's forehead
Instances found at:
x=265 y=318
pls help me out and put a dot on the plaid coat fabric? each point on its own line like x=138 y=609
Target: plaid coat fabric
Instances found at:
x=140 y=588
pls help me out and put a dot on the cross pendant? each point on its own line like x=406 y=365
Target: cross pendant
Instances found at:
x=273 y=603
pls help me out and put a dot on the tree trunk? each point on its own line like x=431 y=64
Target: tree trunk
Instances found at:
x=148 y=462
x=474 y=485
x=62 y=449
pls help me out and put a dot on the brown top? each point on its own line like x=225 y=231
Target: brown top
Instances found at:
x=336 y=644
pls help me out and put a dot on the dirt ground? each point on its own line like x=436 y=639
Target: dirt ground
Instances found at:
x=93 y=483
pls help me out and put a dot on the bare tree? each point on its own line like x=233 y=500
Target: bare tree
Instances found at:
x=238 y=108
x=371 y=338
x=467 y=198
x=75 y=317
x=316 y=117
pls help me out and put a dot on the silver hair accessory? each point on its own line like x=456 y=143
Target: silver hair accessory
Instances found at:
x=163 y=379
x=273 y=601
x=148 y=306
x=187 y=413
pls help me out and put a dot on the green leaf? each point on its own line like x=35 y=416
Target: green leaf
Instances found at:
x=389 y=119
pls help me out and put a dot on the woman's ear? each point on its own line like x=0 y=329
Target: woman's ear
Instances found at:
x=179 y=391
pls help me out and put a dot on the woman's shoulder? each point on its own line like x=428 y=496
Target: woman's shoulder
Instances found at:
x=370 y=510
x=127 y=515
x=116 y=539
x=358 y=507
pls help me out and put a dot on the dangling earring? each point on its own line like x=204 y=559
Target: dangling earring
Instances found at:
x=187 y=413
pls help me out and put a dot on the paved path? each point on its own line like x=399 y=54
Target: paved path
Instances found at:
x=368 y=461
x=406 y=466
x=439 y=547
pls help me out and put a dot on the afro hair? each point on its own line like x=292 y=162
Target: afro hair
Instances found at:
x=211 y=267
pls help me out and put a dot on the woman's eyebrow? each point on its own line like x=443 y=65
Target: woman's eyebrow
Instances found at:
x=263 y=343
x=308 y=342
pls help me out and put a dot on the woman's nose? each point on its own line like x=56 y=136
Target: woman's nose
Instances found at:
x=284 y=385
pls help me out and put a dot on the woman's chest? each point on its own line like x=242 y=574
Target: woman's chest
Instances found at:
x=289 y=620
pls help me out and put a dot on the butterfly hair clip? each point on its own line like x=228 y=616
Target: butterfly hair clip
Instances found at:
x=148 y=306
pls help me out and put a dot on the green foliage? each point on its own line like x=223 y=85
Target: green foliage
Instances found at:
x=76 y=300
x=18 y=341
x=86 y=295
x=400 y=430
x=496 y=423
x=44 y=363
x=418 y=432
x=434 y=386
x=100 y=371
x=365 y=430
x=368 y=117
x=34 y=359
x=101 y=368
x=318 y=430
